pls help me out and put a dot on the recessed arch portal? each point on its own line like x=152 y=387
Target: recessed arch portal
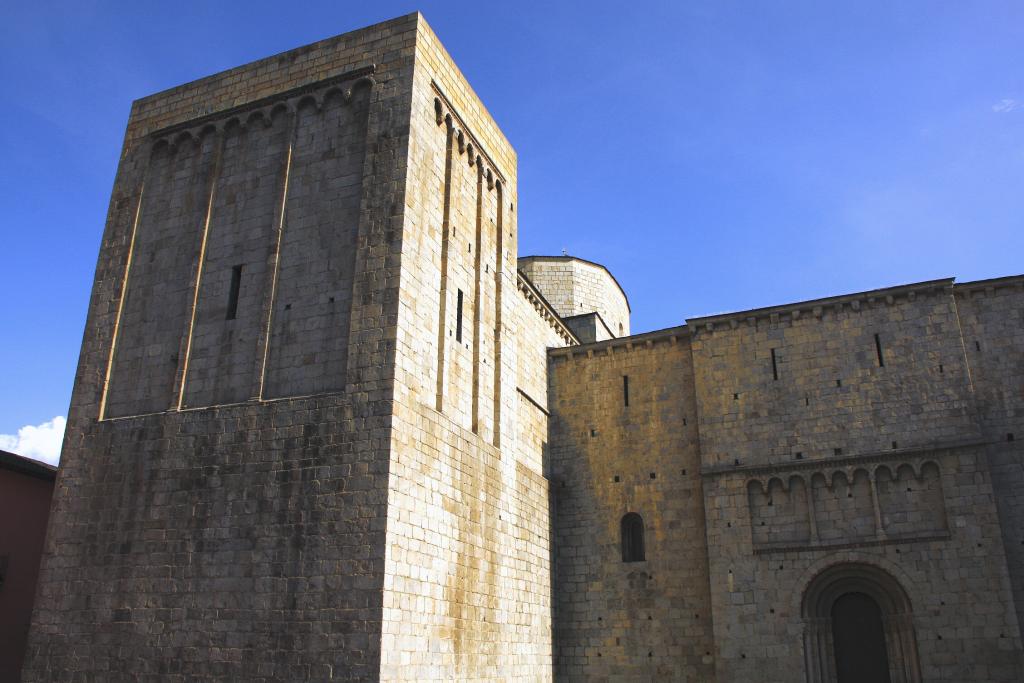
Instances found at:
x=858 y=618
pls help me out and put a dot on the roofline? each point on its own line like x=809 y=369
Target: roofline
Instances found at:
x=145 y=99
x=691 y=324
x=916 y=287
x=1006 y=281
x=642 y=339
x=27 y=466
x=547 y=306
x=583 y=260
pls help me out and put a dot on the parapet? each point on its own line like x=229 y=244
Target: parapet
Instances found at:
x=575 y=287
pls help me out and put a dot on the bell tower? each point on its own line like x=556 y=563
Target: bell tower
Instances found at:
x=306 y=439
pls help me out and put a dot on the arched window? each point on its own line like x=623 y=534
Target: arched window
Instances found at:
x=632 y=538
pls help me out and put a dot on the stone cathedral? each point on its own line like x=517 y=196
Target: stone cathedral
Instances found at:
x=327 y=424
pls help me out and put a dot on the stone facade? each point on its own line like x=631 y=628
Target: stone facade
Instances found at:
x=327 y=425
x=610 y=456
x=221 y=508
x=866 y=439
x=576 y=287
x=873 y=393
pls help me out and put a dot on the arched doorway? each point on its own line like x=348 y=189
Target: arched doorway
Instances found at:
x=858 y=627
x=859 y=640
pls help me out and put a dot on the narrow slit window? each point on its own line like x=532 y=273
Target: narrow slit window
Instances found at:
x=458 y=317
x=236 y=283
x=632 y=538
x=775 y=365
x=625 y=390
x=878 y=350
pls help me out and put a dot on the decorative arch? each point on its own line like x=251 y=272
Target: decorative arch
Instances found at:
x=897 y=619
x=335 y=93
x=308 y=100
x=364 y=82
x=257 y=116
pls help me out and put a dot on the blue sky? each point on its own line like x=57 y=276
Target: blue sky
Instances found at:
x=714 y=155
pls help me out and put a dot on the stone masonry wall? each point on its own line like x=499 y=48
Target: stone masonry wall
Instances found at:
x=818 y=448
x=992 y=319
x=242 y=538
x=953 y=572
x=324 y=429
x=839 y=376
x=467 y=591
x=223 y=358
x=615 y=620
x=574 y=286
x=538 y=331
x=817 y=452
x=589 y=327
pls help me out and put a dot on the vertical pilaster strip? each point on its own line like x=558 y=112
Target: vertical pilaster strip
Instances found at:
x=499 y=270
x=477 y=294
x=810 y=510
x=263 y=344
x=124 y=291
x=442 y=322
x=879 y=529
x=198 y=279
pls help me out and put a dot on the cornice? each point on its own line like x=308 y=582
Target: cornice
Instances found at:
x=817 y=307
x=466 y=143
x=842 y=463
x=990 y=285
x=533 y=295
x=645 y=340
x=536 y=404
x=263 y=108
x=866 y=543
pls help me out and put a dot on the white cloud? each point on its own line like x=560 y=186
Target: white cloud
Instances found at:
x=1006 y=105
x=41 y=442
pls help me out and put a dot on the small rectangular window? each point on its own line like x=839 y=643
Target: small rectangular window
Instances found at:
x=775 y=366
x=878 y=350
x=236 y=282
x=458 y=318
x=625 y=390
